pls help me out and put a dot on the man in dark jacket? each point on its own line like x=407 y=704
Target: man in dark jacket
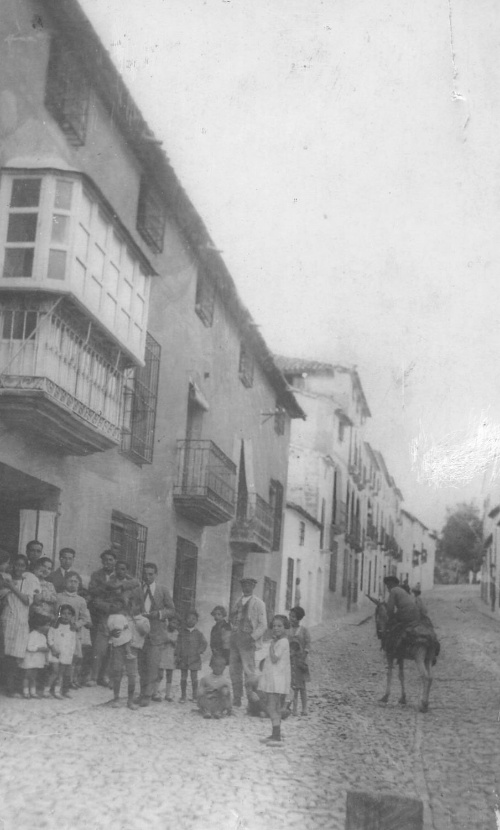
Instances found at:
x=100 y=597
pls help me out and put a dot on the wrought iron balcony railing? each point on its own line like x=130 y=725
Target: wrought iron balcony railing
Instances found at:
x=253 y=527
x=205 y=483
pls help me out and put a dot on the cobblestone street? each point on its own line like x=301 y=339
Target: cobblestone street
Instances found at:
x=78 y=765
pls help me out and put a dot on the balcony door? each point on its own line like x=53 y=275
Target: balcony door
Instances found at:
x=194 y=428
x=242 y=498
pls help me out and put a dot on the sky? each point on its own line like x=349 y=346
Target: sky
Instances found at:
x=344 y=157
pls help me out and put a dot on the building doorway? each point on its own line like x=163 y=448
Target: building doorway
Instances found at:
x=28 y=510
x=186 y=566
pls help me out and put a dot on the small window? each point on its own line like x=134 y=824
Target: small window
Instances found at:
x=246 y=367
x=341 y=431
x=128 y=540
x=67 y=92
x=151 y=217
x=279 y=420
x=205 y=298
x=302 y=533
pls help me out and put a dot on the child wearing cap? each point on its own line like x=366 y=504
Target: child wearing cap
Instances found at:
x=220 y=634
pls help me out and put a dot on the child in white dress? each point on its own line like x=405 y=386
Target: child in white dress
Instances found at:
x=36 y=656
x=276 y=677
x=61 y=639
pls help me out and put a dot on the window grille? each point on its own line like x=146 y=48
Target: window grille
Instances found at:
x=302 y=533
x=246 y=368
x=205 y=298
x=289 y=584
x=151 y=216
x=276 y=502
x=67 y=92
x=140 y=407
x=129 y=540
x=322 y=529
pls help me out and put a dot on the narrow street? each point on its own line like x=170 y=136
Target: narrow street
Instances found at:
x=78 y=765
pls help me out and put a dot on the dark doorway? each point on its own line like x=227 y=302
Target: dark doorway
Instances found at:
x=186 y=564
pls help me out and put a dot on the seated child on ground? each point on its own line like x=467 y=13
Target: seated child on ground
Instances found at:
x=61 y=639
x=214 y=697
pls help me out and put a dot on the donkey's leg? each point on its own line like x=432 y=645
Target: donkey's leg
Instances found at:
x=422 y=666
x=401 y=668
x=385 y=698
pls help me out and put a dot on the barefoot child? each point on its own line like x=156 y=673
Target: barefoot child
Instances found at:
x=214 y=698
x=275 y=677
x=36 y=655
x=300 y=646
x=190 y=646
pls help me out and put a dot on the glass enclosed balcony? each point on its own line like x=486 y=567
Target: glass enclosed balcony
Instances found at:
x=205 y=485
x=58 y=234
x=59 y=378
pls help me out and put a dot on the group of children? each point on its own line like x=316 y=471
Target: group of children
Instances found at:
x=54 y=652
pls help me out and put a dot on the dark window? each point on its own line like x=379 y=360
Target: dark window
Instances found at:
x=345 y=574
x=333 y=568
x=289 y=584
x=141 y=400
x=279 y=420
x=67 y=92
x=151 y=217
x=128 y=540
x=205 y=298
x=246 y=366
x=276 y=502
x=341 y=430
x=355 y=582
x=375 y=576
x=186 y=566
x=22 y=228
x=302 y=533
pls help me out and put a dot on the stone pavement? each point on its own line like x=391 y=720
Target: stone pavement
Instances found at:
x=79 y=765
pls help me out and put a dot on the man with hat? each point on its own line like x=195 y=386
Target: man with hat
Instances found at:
x=401 y=609
x=248 y=622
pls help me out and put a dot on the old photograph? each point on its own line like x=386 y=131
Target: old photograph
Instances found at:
x=249 y=415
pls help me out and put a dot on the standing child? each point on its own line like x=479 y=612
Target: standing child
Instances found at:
x=220 y=634
x=190 y=646
x=275 y=677
x=36 y=655
x=214 y=698
x=61 y=639
x=123 y=653
x=300 y=646
x=167 y=659
x=82 y=621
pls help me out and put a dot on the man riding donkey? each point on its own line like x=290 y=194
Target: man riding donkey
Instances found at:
x=406 y=633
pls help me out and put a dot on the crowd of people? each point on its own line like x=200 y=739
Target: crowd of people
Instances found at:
x=58 y=635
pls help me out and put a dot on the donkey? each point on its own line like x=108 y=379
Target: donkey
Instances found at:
x=424 y=649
